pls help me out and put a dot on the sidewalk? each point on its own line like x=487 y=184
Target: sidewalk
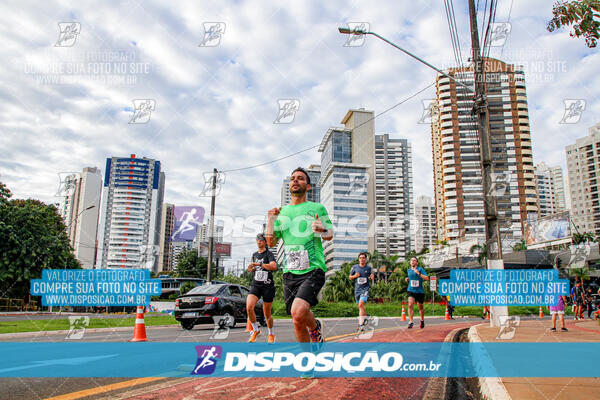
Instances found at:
x=542 y=388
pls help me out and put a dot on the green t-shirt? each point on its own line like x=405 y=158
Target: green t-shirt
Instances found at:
x=303 y=248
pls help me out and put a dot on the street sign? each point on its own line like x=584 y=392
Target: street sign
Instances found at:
x=433 y=283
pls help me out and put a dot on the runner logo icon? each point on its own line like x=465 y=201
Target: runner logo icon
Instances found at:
x=207 y=359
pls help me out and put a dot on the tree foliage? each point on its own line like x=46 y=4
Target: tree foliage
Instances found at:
x=582 y=15
x=32 y=238
x=190 y=265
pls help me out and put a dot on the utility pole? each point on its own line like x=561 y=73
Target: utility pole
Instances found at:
x=492 y=228
x=211 y=226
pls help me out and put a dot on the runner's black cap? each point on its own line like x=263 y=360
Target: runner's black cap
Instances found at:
x=261 y=236
x=304 y=172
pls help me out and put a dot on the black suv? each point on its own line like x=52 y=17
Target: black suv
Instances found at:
x=200 y=304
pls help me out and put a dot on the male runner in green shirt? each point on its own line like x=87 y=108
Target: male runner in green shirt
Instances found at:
x=301 y=225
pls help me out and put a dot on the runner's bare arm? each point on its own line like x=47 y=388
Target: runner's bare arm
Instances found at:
x=270 y=234
x=272 y=266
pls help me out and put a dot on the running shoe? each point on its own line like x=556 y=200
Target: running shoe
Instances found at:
x=253 y=336
x=552 y=329
x=422 y=324
x=271 y=339
x=316 y=335
x=564 y=329
x=410 y=325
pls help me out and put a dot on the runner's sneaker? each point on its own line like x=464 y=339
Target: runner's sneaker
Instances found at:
x=552 y=329
x=422 y=324
x=564 y=329
x=253 y=336
x=410 y=325
x=271 y=338
x=316 y=335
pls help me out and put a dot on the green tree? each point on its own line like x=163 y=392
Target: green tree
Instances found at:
x=339 y=287
x=186 y=287
x=519 y=246
x=190 y=265
x=5 y=194
x=482 y=253
x=583 y=274
x=32 y=238
x=583 y=15
x=579 y=238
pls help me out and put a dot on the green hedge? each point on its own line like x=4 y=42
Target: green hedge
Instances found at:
x=343 y=309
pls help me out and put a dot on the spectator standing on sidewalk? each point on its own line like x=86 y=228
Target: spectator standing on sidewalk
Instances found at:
x=559 y=310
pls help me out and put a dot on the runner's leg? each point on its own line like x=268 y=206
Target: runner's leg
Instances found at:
x=267 y=307
x=303 y=319
x=362 y=312
x=411 y=303
x=251 y=301
x=421 y=311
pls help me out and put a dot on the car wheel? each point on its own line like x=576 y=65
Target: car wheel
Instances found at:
x=187 y=325
x=228 y=316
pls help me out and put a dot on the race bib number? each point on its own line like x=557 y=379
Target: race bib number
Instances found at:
x=361 y=280
x=297 y=260
x=261 y=276
x=414 y=283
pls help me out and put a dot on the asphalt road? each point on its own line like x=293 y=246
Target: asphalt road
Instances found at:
x=41 y=388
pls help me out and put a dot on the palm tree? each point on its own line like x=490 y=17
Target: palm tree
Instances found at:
x=584 y=237
x=482 y=253
x=519 y=246
x=339 y=287
x=582 y=273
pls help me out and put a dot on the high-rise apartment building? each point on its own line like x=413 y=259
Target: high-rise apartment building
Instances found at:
x=344 y=193
x=393 y=195
x=550 y=189
x=167 y=221
x=130 y=214
x=425 y=230
x=583 y=164
x=79 y=208
x=456 y=157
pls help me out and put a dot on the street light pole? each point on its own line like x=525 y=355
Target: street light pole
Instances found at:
x=211 y=226
x=492 y=228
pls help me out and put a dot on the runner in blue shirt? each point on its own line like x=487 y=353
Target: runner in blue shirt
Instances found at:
x=362 y=273
x=416 y=276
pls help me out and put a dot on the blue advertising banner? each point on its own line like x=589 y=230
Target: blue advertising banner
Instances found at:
x=511 y=287
x=186 y=222
x=99 y=287
x=366 y=359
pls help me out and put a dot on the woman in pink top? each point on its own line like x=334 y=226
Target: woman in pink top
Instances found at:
x=559 y=310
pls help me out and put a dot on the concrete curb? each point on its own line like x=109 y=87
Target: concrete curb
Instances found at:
x=64 y=332
x=491 y=388
x=436 y=388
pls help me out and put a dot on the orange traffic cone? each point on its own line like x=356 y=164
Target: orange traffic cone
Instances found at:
x=249 y=326
x=447 y=316
x=139 y=332
x=403 y=318
x=541 y=312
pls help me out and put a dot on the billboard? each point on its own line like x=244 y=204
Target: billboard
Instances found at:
x=223 y=249
x=546 y=229
x=186 y=222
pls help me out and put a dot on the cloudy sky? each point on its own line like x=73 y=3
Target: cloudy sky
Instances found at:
x=67 y=101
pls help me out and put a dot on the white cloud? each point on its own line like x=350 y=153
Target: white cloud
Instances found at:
x=215 y=106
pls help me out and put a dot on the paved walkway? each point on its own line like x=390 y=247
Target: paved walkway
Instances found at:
x=549 y=388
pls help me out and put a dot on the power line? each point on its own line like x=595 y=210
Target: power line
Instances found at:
x=315 y=146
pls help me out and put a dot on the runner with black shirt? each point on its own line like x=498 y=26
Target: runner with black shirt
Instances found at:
x=263 y=264
x=362 y=273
